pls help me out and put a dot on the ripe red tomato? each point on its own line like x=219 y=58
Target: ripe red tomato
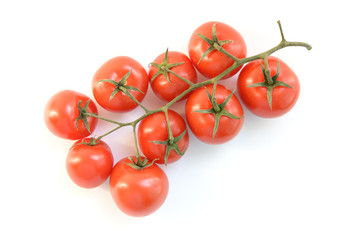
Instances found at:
x=202 y=124
x=154 y=128
x=138 y=192
x=165 y=84
x=61 y=112
x=89 y=166
x=216 y=62
x=115 y=70
x=255 y=98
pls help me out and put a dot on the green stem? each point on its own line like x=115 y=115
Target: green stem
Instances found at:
x=120 y=124
x=111 y=131
x=182 y=78
x=213 y=98
x=171 y=137
x=283 y=44
x=102 y=118
x=138 y=157
x=136 y=101
x=281 y=31
x=267 y=72
x=222 y=50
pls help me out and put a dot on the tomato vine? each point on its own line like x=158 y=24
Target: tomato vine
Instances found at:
x=212 y=101
x=214 y=44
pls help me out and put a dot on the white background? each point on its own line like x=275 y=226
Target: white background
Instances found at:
x=294 y=177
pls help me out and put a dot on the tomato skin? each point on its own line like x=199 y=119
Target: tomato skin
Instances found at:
x=138 y=193
x=215 y=62
x=168 y=91
x=115 y=69
x=89 y=166
x=153 y=128
x=255 y=98
x=202 y=124
x=61 y=111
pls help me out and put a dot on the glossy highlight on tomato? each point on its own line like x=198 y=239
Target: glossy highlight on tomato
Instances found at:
x=138 y=192
x=61 y=112
x=216 y=62
x=202 y=124
x=115 y=69
x=89 y=166
x=255 y=98
x=154 y=128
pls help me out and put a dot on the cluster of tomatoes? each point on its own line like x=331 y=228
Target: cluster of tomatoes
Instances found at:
x=138 y=186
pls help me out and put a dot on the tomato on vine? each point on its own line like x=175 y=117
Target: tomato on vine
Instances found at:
x=214 y=122
x=120 y=84
x=154 y=139
x=64 y=116
x=89 y=162
x=266 y=99
x=138 y=186
x=170 y=74
x=139 y=191
x=205 y=48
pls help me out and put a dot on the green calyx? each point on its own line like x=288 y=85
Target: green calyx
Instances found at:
x=138 y=164
x=171 y=144
x=214 y=43
x=121 y=86
x=91 y=142
x=270 y=82
x=82 y=115
x=164 y=68
x=218 y=110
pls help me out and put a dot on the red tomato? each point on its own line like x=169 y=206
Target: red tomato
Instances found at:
x=154 y=128
x=255 y=98
x=216 y=62
x=61 y=112
x=89 y=166
x=202 y=124
x=115 y=70
x=138 y=192
x=168 y=88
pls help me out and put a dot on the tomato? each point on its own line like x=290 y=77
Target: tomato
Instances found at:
x=121 y=74
x=255 y=98
x=216 y=62
x=138 y=192
x=154 y=128
x=89 y=166
x=202 y=124
x=164 y=83
x=61 y=113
